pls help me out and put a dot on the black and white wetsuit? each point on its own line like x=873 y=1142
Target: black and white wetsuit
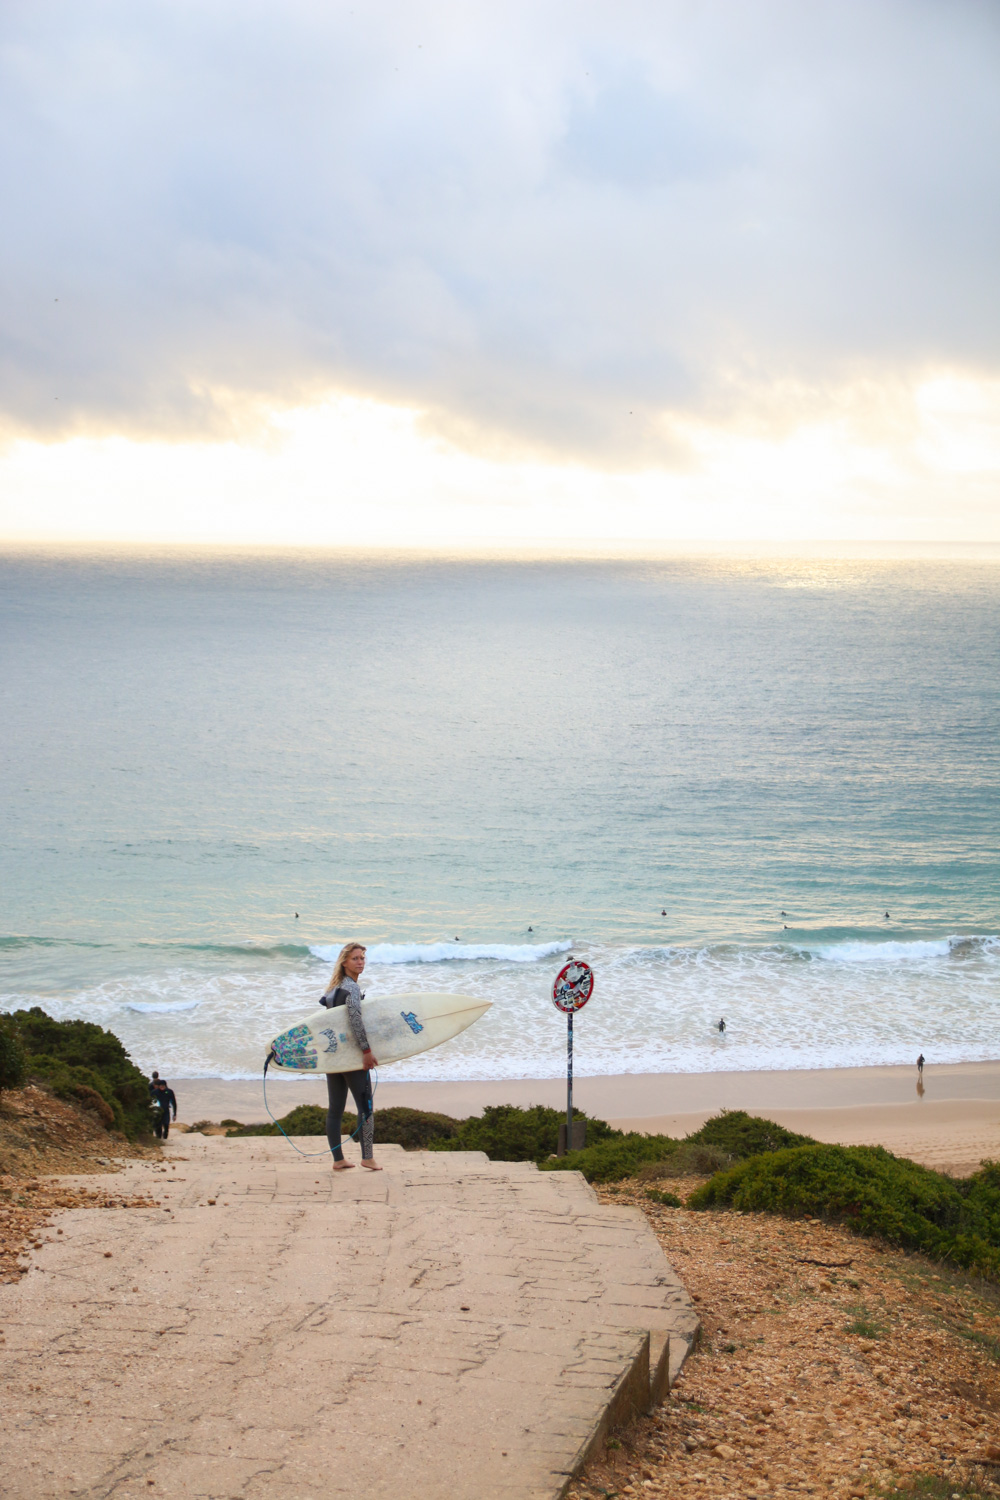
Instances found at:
x=349 y=995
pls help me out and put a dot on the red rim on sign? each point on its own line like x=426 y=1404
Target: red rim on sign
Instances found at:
x=573 y=987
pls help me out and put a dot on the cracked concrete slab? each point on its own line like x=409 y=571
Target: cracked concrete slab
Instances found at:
x=449 y=1327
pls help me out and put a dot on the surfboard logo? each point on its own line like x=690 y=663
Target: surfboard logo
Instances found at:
x=411 y=1021
x=331 y=1037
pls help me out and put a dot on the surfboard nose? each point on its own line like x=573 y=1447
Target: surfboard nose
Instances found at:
x=464 y=1006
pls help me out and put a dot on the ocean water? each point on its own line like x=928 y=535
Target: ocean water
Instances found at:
x=480 y=767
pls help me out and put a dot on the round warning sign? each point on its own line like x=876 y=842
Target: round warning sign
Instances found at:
x=573 y=987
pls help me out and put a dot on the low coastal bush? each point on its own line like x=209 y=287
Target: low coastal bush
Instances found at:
x=413 y=1129
x=506 y=1132
x=612 y=1159
x=304 y=1119
x=741 y=1135
x=874 y=1193
x=12 y=1058
x=726 y=1138
x=81 y=1062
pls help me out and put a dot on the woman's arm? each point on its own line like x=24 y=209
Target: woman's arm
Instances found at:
x=354 y=1015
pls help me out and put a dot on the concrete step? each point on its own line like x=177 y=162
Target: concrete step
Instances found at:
x=449 y=1326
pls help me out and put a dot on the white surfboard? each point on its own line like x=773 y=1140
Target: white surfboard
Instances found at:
x=398 y=1026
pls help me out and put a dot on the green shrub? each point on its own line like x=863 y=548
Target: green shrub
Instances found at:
x=874 y=1193
x=741 y=1135
x=304 y=1119
x=413 y=1129
x=669 y=1200
x=12 y=1059
x=507 y=1133
x=70 y=1056
x=612 y=1159
x=727 y=1137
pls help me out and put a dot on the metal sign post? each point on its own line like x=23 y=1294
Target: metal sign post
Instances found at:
x=573 y=987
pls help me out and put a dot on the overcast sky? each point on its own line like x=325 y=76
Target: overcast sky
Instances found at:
x=616 y=259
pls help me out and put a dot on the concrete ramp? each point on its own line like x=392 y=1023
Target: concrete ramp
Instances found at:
x=446 y=1329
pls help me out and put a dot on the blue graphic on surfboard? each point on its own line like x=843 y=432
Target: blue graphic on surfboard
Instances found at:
x=398 y=1026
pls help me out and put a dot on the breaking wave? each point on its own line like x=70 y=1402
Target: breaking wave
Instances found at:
x=435 y=953
x=890 y=952
x=158 y=1007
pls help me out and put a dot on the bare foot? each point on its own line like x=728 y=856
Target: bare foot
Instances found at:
x=343 y=1166
x=370 y=1164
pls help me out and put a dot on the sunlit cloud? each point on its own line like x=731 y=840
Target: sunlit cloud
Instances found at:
x=356 y=471
x=455 y=271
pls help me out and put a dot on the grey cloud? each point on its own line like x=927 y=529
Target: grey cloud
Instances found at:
x=632 y=134
x=546 y=225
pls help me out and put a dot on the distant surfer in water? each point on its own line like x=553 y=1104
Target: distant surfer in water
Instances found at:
x=343 y=990
x=722 y=1025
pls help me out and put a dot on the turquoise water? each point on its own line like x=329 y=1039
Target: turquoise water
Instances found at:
x=198 y=747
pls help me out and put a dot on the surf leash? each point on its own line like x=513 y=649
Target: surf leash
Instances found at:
x=309 y=1154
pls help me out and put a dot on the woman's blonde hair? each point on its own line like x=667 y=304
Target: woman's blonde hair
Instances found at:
x=338 y=968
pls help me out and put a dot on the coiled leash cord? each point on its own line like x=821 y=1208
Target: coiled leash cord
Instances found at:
x=310 y=1154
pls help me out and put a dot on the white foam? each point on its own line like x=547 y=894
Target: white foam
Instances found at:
x=883 y=953
x=654 y=1009
x=435 y=953
x=167 y=1007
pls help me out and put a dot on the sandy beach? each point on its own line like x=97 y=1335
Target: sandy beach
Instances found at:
x=952 y=1125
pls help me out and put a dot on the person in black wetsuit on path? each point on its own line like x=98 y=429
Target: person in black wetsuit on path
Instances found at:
x=164 y=1100
x=343 y=990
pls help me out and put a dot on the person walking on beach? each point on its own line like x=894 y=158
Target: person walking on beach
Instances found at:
x=920 y=1065
x=164 y=1100
x=343 y=990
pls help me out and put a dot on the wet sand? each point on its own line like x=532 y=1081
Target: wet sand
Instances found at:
x=953 y=1124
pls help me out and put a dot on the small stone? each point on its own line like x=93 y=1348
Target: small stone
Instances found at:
x=107 y=1255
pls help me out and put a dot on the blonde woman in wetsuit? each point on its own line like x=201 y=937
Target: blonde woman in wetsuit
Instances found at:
x=343 y=990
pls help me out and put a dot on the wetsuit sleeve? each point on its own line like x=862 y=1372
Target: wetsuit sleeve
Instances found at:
x=354 y=1015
